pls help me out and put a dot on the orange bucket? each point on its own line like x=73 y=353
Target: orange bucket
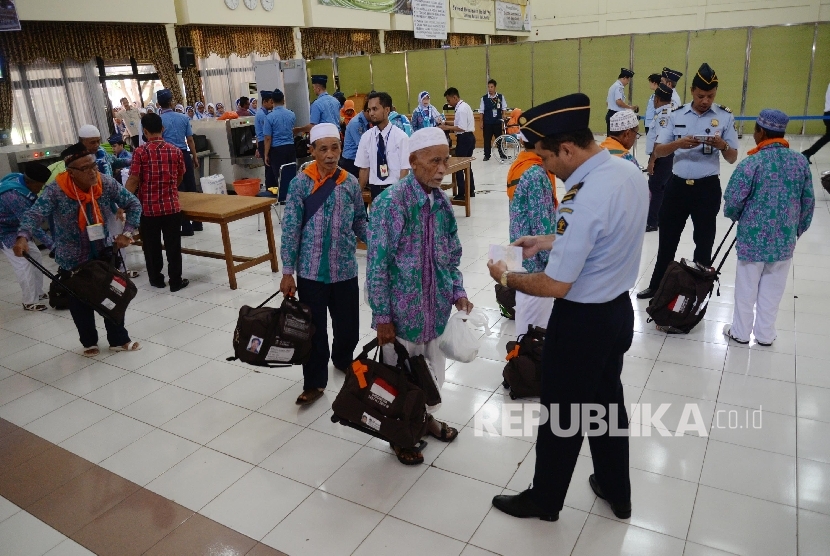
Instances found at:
x=248 y=187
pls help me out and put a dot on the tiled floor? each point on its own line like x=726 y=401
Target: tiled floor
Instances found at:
x=218 y=438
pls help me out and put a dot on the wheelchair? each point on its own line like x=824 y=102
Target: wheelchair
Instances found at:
x=507 y=145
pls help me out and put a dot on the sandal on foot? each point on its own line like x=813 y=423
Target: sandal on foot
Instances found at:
x=91 y=351
x=408 y=456
x=129 y=346
x=448 y=434
x=34 y=307
x=43 y=297
x=133 y=273
x=308 y=397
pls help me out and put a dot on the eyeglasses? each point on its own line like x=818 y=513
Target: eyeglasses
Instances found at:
x=87 y=168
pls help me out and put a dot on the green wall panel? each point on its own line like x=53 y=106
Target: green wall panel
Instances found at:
x=602 y=58
x=321 y=66
x=820 y=79
x=512 y=65
x=354 y=74
x=783 y=52
x=389 y=73
x=651 y=54
x=712 y=47
x=426 y=73
x=467 y=72
x=555 y=69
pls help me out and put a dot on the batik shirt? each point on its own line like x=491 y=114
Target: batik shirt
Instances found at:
x=770 y=194
x=412 y=274
x=532 y=213
x=324 y=250
x=13 y=205
x=616 y=149
x=72 y=247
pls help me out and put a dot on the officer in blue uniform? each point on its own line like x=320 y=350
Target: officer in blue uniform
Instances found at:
x=279 y=140
x=594 y=261
x=698 y=134
x=179 y=133
x=659 y=169
x=616 y=97
x=324 y=110
x=670 y=77
x=259 y=127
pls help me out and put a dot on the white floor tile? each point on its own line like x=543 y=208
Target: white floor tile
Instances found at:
x=134 y=360
x=124 y=391
x=387 y=536
x=459 y=403
x=671 y=419
x=7 y=509
x=149 y=456
x=25 y=535
x=680 y=457
x=16 y=386
x=210 y=377
x=757 y=393
x=813 y=533
x=310 y=457
x=763 y=364
x=68 y=420
x=172 y=366
x=106 y=437
x=694 y=549
x=30 y=357
x=253 y=390
x=814 y=403
x=254 y=438
x=89 y=378
x=162 y=405
x=814 y=486
x=605 y=536
x=58 y=367
x=487 y=458
x=69 y=548
x=754 y=428
x=483 y=374
x=35 y=405
x=814 y=440
x=283 y=407
x=580 y=496
x=688 y=352
x=206 y=420
x=636 y=371
x=683 y=380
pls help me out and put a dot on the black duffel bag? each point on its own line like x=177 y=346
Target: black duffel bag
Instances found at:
x=506 y=298
x=58 y=298
x=523 y=372
x=269 y=337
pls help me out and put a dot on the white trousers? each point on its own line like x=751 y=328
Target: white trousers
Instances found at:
x=29 y=278
x=431 y=352
x=532 y=310
x=758 y=286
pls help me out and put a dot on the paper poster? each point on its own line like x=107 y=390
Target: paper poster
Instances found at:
x=511 y=16
x=478 y=10
x=385 y=6
x=429 y=18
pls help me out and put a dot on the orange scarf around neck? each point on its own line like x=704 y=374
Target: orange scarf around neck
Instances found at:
x=84 y=198
x=524 y=162
x=313 y=171
x=767 y=142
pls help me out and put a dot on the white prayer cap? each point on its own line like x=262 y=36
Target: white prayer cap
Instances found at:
x=324 y=130
x=623 y=120
x=88 y=131
x=427 y=137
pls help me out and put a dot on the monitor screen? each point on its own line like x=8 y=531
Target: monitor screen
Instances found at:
x=244 y=141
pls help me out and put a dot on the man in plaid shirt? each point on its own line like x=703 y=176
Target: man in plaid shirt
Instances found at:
x=157 y=169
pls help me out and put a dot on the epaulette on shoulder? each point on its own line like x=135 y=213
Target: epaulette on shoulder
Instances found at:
x=725 y=108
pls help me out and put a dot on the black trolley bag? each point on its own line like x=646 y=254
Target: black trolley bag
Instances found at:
x=97 y=283
x=268 y=337
x=523 y=372
x=383 y=400
x=685 y=291
x=506 y=298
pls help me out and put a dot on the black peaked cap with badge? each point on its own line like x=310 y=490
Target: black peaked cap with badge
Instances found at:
x=663 y=92
x=672 y=75
x=625 y=72
x=319 y=80
x=562 y=115
x=705 y=79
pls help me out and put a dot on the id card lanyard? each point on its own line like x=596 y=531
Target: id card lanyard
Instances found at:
x=95 y=232
x=382 y=161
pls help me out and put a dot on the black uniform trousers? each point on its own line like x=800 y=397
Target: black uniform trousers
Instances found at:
x=657 y=185
x=581 y=364
x=152 y=229
x=134 y=141
x=189 y=185
x=823 y=140
x=608 y=120
x=465 y=144
x=277 y=156
x=342 y=300
x=270 y=180
x=492 y=131
x=701 y=201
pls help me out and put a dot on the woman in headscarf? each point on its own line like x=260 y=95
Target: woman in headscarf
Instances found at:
x=151 y=108
x=220 y=109
x=180 y=109
x=346 y=114
x=211 y=110
x=191 y=113
x=200 y=111
x=254 y=104
x=426 y=115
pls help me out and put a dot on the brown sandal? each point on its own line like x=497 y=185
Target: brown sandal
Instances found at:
x=408 y=456
x=308 y=397
x=448 y=434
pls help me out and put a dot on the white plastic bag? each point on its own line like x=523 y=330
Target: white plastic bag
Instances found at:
x=458 y=341
x=214 y=184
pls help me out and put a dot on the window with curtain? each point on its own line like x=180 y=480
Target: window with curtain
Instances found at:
x=226 y=79
x=51 y=101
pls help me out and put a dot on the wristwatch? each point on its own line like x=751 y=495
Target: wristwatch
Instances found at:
x=503 y=279
x=128 y=235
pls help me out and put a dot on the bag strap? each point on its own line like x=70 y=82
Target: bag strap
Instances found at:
x=723 y=260
x=267 y=300
x=316 y=200
x=400 y=350
x=715 y=256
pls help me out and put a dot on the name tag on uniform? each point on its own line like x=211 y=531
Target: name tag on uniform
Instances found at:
x=707 y=148
x=384 y=171
x=95 y=232
x=495 y=113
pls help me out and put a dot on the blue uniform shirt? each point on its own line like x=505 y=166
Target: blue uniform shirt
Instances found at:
x=259 y=123
x=649 y=110
x=354 y=130
x=325 y=110
x=279 y=125
x=176 y=128
x=694 y=164
x=675 y=100
x=615 y=93
x=659 y=120
x=600 y=226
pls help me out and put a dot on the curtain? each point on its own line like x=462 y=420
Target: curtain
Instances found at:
x=226 y=79
x=400 y=41
x=340 y=42
x=461 y=39
x=502 y=39
x=52 y=101
x=225 y=40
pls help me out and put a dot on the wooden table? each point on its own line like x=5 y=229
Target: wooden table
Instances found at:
x=460 y=164
x=222 y=210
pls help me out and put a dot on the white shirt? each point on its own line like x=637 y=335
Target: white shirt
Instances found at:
x=464 y=117
x=827 y=100
x=397 y=153
x=132 y=120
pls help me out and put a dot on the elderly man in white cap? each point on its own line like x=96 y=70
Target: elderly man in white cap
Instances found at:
x=90 y=137
x=624 y=133
x=412 y=274
x=324 y=218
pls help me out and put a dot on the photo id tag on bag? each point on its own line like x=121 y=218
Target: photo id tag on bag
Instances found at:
x=95 y=232
x=384 y=171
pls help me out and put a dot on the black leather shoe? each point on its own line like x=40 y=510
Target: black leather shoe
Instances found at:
x=160 y=284
x=459 y=198
x=486 y=158
x=180 y=286
x=651 y=229
x=647 y=293
x=521 y=505
x=622 y=511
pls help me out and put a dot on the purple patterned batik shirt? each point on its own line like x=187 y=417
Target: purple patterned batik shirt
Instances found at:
x=412 y=275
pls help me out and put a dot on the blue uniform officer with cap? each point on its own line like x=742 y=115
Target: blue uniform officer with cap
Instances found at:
x=698 y=134
x=616 y=97
x=259 y=128
x=594 y=261
x=279 y=140
x=324 y=110
x=670 y=77
x=179 y=133
x=659 y=169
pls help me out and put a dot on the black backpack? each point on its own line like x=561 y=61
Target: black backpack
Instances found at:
x=268 y=337
x=684 y=293
x=506 y=298
x=523 y=372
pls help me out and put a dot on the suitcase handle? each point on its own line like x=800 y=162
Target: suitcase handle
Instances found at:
x=403 y=354
x=51 y=276
x=715 y=256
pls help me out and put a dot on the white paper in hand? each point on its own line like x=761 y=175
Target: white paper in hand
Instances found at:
x=510 y=254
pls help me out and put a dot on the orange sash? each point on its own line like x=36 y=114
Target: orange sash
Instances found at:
x=766 y=142
x=524 y=162
x=313 y=172
x=84 y=198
